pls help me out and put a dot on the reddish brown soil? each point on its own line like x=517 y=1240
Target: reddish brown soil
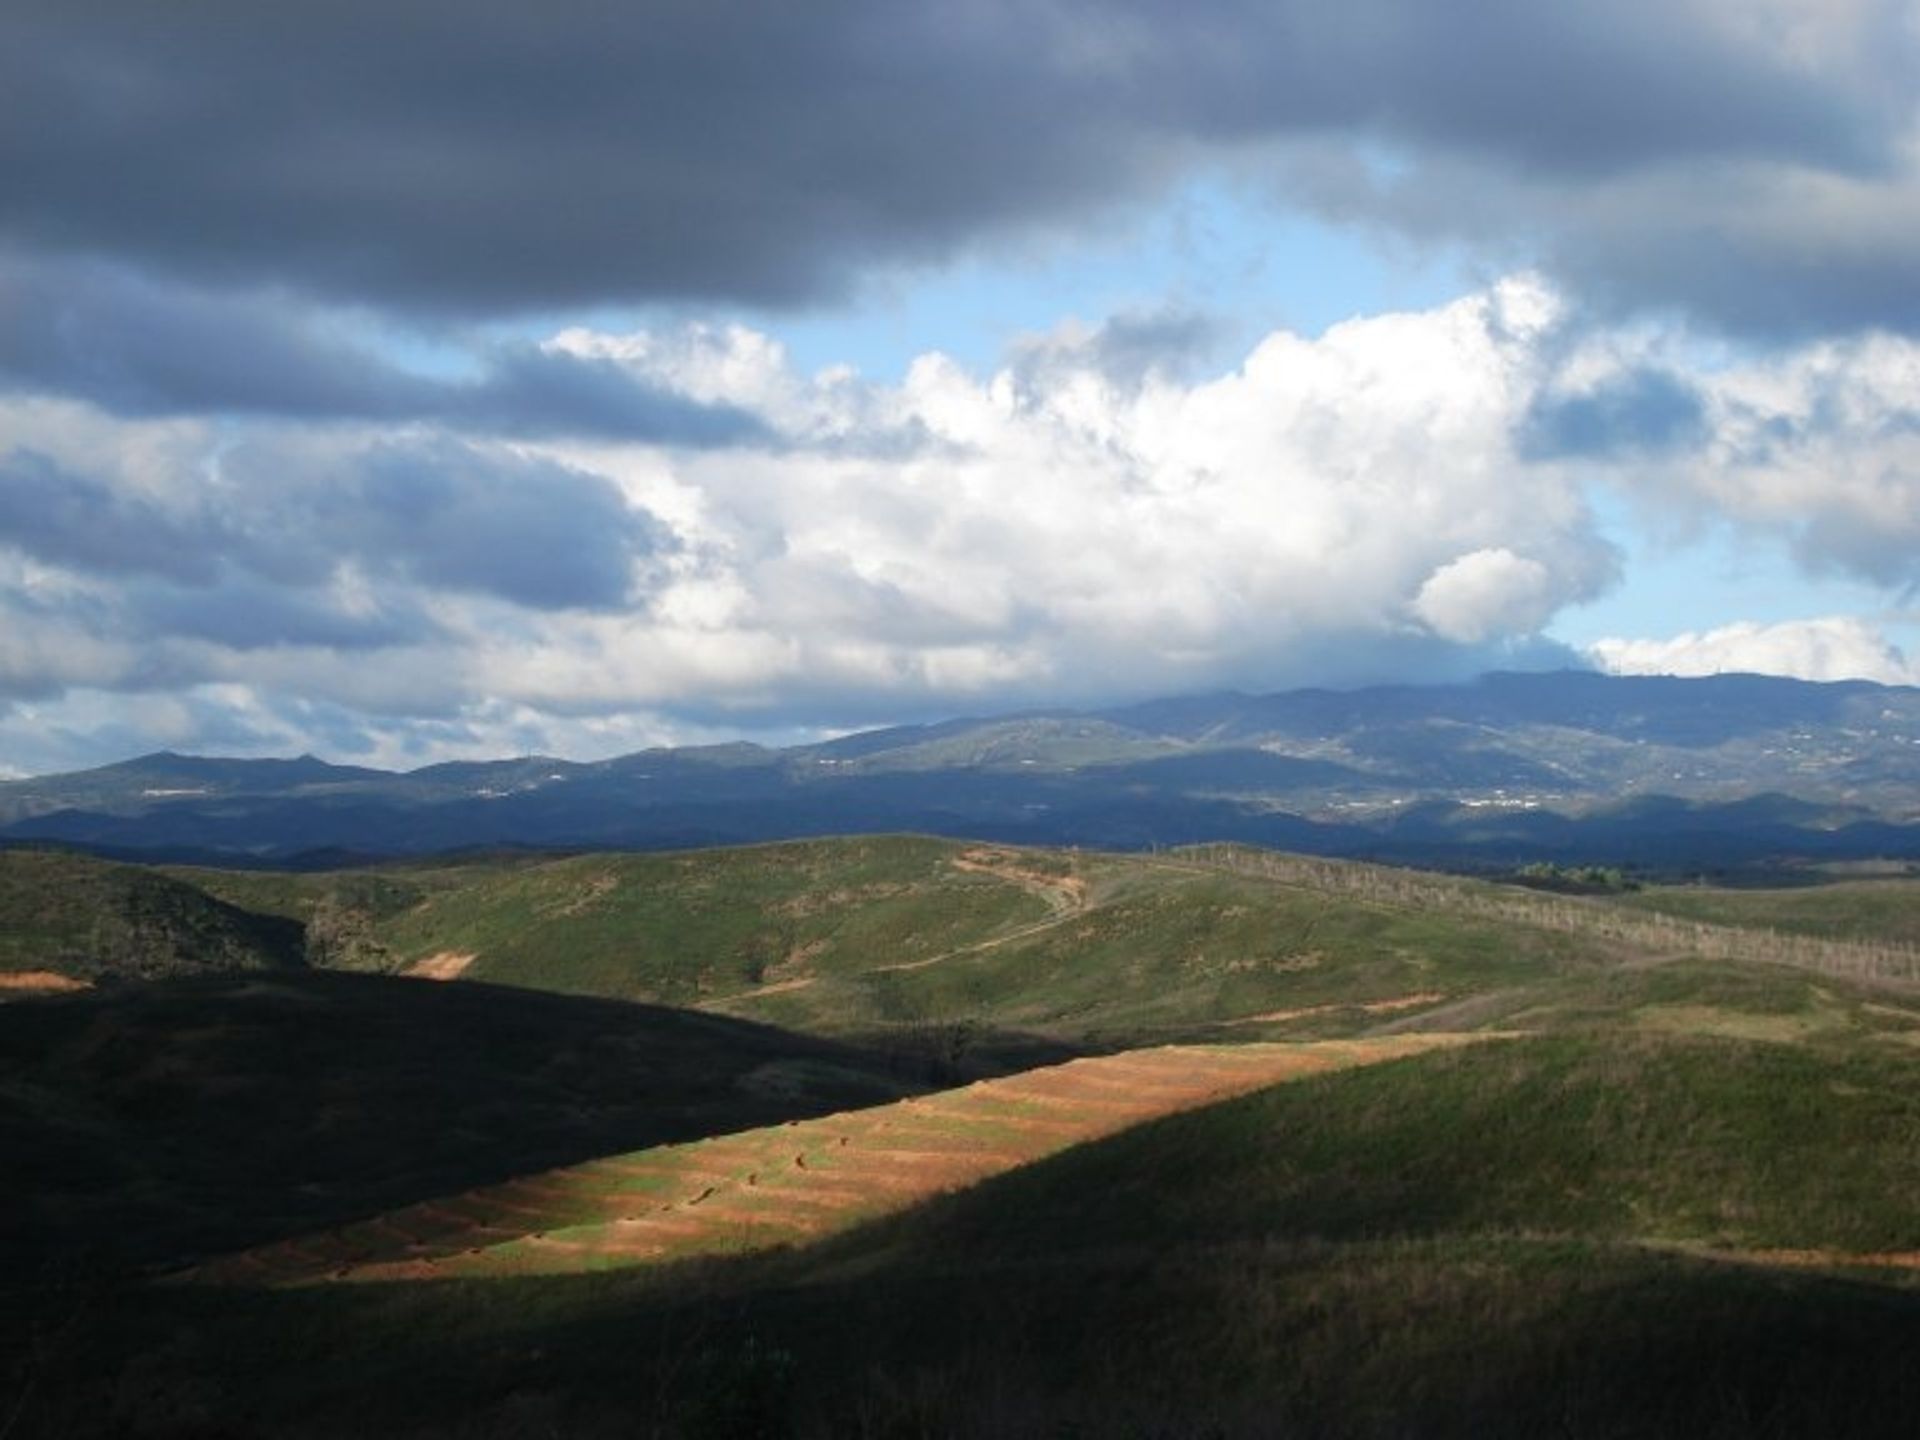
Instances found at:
x=446 y=965
x=1060 y=892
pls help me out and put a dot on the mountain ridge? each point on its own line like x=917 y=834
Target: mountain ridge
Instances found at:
x=1554 y=764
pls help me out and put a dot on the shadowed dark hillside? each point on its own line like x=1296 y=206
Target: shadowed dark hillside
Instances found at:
x=148 y=1121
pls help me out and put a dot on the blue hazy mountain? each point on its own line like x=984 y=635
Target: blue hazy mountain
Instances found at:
x=1512 y=766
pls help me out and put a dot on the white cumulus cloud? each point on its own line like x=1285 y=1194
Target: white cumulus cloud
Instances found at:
x=1329 y=508
x=1404 y=497
x=1836 y=647
x=1487 y=593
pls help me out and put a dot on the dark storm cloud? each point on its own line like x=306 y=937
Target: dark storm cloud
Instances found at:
x=1641 y=412
x=491 y=156
x=138 y=348
x=135 y=348
x=436 y=514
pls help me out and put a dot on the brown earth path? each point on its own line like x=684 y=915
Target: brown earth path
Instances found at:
x=792 y=1183
x=1065 y=897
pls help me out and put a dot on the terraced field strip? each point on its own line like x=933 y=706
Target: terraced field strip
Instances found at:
x=41 y=982
x=1895 y=1260
x=1367 y=1007
x=793 y=1183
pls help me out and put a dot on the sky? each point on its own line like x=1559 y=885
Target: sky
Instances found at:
x=421 y=380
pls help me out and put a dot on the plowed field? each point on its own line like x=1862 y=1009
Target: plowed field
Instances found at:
x=792 y=1183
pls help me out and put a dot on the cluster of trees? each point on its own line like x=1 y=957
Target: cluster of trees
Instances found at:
x=1575 y=879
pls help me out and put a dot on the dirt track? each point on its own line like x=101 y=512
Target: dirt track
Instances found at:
x=1062 y=894
x=788 y=1184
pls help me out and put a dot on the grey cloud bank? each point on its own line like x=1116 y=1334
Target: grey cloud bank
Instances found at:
x=137 y=348
x=531 y=532
x=485 y=157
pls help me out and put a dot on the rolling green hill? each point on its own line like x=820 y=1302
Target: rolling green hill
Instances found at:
x=1680 y=1141
x=690 y=927
x=965 y=947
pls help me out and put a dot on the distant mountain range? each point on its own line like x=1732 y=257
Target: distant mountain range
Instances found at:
x=1661 y=772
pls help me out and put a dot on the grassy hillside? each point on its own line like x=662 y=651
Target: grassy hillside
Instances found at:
x=1163 y=951
x=1572 y=1235
x=959 y=942
x=88 y=920
x=691 y=926
x=1671 y=1140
